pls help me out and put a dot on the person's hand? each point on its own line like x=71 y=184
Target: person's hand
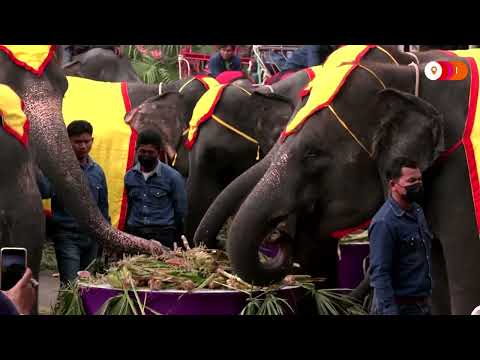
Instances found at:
x=23 y=294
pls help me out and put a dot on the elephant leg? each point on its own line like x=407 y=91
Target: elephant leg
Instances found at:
x=318 y=256
x=440 y=291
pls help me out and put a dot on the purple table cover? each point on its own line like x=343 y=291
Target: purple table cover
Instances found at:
x=350 y=266
x=178 y=302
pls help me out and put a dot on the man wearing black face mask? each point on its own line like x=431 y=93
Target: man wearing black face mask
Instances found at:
x=400 y=246
x=157 y=201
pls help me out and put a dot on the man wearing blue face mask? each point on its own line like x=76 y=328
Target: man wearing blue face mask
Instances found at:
x=400 y=246
x=157 y=200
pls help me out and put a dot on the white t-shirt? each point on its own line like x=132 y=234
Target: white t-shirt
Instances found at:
x=146 y=175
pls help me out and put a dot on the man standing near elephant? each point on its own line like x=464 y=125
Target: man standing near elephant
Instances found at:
x=73 y=248
x=157 y=200
x=400 y=246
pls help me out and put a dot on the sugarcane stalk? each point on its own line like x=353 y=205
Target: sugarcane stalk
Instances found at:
x=233 y=277
x=206 y=282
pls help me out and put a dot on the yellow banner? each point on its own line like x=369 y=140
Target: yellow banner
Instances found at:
x=104 y=105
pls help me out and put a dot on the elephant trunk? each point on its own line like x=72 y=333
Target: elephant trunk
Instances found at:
x=51 y=145
x=265 y=208
x=228 y=201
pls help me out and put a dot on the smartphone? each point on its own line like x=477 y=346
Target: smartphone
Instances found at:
x=13 y=264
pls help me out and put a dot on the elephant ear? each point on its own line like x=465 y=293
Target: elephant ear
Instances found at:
x=72 y=68
x=409 y=127
x=163 y=113
x=272 y=112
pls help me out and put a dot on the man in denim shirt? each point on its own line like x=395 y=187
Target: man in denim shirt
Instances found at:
x=224 y=60
x=157 y=200
x=400 y=246
x=73 y=248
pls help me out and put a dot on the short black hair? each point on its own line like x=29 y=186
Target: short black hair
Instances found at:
x=225 y=46
x=150 y=137
x=79 y=127
x=394 y=171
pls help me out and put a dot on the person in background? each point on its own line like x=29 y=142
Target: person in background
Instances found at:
x=157 y=199
x=74 y=249
x=224 y=60
x=308 y=56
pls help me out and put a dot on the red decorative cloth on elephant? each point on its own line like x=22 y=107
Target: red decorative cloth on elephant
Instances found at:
x=203 y=111
x=471 y=134
x=33 y=58
x=14 y=120
x=105 y=105
x=327 y=82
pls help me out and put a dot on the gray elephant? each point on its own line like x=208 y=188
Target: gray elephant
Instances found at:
x=21 y=215
x=103 y=65
x=229 y=200
x=219 y=155
x=329 y=182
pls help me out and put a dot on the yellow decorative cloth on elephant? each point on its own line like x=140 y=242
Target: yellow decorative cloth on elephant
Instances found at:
x=203 y=111
x=207 y=81
x=33 y=58
x=14 y=120
x=327 y=82
x=105 y=105
x=312 y=73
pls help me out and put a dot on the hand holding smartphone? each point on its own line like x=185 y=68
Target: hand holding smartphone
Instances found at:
x=13 y=264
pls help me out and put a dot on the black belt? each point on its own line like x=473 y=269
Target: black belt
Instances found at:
x=409 y=300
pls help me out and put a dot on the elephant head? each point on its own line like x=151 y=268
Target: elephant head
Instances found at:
x=163 y=113
x=271 y=113
x=50 y=147
x=327 y=173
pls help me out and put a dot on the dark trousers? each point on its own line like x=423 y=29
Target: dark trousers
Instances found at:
x=74 y=252
x=163 y=234
x=421 y=308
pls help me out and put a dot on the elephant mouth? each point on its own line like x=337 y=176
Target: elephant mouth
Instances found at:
x=275 y=249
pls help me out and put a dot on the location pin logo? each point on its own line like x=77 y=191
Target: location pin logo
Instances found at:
x=433 y=70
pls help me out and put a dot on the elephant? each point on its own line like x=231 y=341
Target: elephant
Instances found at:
x=220 y=155
x=21 y=215
x=103 y=65
x=317 y=173
x=229 y=199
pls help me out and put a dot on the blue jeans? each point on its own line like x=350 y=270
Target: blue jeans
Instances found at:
x=74 y=252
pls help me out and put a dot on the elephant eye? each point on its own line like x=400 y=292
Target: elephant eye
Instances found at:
x=313 y=153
